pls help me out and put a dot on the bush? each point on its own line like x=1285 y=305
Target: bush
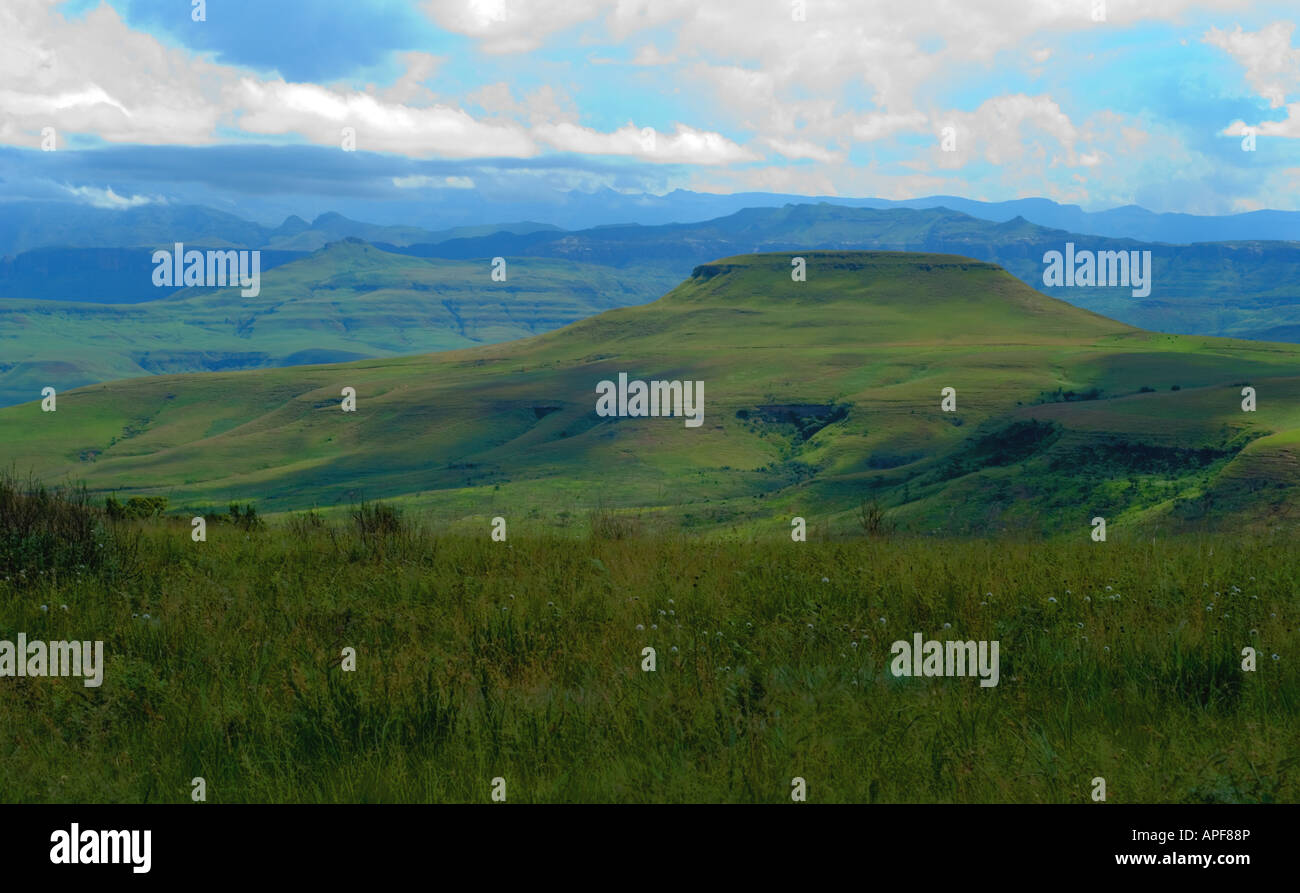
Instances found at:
x=58 y=530
x=872 y=518
x=307 y=524
x=245 y=517
x=137 y=507
x=377 y=521
x=607 y=525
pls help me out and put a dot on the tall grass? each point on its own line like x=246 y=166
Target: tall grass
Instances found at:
x=57 y=532
x=522 y=660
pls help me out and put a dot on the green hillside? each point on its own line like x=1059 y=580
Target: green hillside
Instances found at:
x=346 y=302
x=1244 y=289
x=820 y=396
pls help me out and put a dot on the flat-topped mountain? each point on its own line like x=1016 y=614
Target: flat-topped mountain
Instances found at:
x=818 y=395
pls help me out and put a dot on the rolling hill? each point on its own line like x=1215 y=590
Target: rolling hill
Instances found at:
x=347 y=301
x=819 y=396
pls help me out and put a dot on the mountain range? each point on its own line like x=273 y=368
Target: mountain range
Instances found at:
x=74 y=316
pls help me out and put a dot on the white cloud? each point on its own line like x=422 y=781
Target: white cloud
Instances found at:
x=409 y=88
x=421 y=181
x=1288 y=127
x=96 y=75
x=1011 y=130
x=107 y=198
x=686 y=146
x=798 y=149
x=1272 y=64
x=511 y=26
x=649 y=55
x=1272 y=70
x=545 y=105
x=320 y=113
x=877 y=126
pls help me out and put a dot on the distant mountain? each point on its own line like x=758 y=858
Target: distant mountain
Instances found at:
x=353 y=299
x=26 y=226
x=818 y=396
x=98 y=275
x=297 y=235
x=1238 y=289
x=1130 y=221
x=345 y=302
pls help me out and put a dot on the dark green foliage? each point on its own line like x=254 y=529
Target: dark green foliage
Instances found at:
x=136 y=508
x=245 y=517
x=1008 y=445
x=57 y=531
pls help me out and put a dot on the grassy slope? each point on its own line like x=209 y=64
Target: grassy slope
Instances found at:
x=348 y=301
x=881 y=333
x=522 y=660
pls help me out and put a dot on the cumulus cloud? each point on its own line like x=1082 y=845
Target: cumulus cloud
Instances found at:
x=410 y=87
x=511 y=26
x=799 y=149
x=877 y=126
x=107 y=198
x=1272 y=64
x=320 y=114
x=774 y=89
x=545 y=105
x=96 y=75
x=1288 y=127
x=685 y=146
x=650 y=55
x=1009 y=130
x=1272 y=68
x=422 y=181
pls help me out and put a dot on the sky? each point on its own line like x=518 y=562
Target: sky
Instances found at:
x=1174 y=105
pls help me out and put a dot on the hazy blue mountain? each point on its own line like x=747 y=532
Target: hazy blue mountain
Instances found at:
x=97 y=275
x=28 y=225
x=1248 y=289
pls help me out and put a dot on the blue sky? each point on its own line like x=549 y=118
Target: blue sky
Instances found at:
x=1149 y=103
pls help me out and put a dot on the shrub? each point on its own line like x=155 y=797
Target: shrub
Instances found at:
x=872 y=518
x=377 y=521
x=137 y=507
x=306 y=524
x=58 y=530
x=607 y=525
x=245 y=517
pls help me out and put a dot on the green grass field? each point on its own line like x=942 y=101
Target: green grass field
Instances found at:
x=523 y=660
x=871 y=338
